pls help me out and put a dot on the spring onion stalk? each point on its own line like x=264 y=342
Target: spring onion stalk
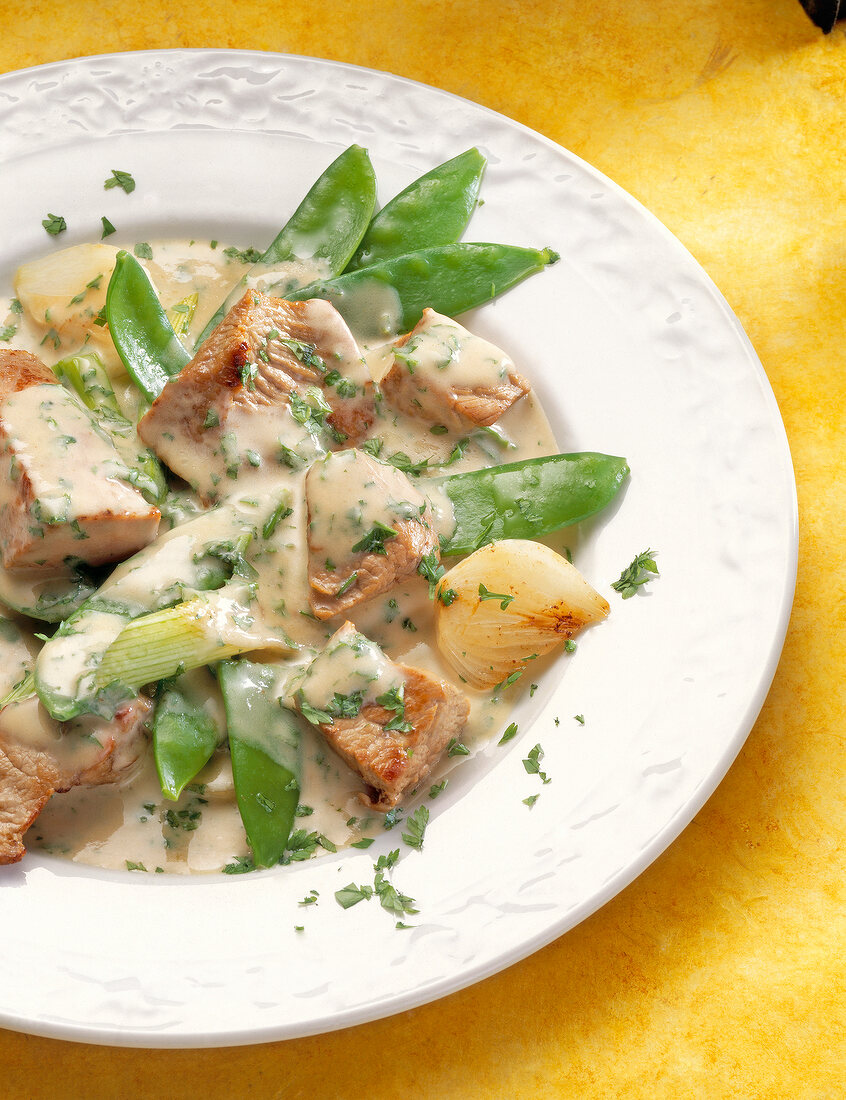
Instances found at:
x=201 y=631
x=86 y=376
x=199 y=555
x=182 y=313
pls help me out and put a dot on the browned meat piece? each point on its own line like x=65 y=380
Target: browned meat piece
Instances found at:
x=388 y=722
x=368 y=528
x=35 y=764
x=62 y=492
x=19 y=370
x=264 y=351
x=444 y=374
x=392 y=762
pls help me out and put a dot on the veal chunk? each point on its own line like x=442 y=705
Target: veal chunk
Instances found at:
x=37 y=762
x=388 y=722
x=444 y=374
x=368 y=529
x=64 y=489
x=391 y=762
x=263 y=356
x=19 y=370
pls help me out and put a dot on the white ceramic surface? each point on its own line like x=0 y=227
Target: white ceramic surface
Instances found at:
x=635 y=353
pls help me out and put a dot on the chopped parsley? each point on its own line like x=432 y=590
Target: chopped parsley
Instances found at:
x=240 y=866
x=394 y=699
x=438 y=788
x=456 y=748
x=532 y=764
x=108 y=228
x=432 y=570
x=143 y=251
x=509 y=735
x=416 y=825
x=504 y=599
x=375 y=539
x=243 y=256
x=54 y=224
x=580 y=718
x=639 y=572
x=372 y=446
x=282 y=511
x=120 y=179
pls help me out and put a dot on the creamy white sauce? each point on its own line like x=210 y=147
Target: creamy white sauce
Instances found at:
x=132 y=824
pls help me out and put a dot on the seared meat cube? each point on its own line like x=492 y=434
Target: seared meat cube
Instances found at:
x=39 y=759
x=271 y=373
x=446 y=375
x=388 y=722
x=368 y=528
x=63 y=487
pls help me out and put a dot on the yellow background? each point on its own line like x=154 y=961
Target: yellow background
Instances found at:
x=720 y=971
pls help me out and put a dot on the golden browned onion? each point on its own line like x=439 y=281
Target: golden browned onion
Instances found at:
x=542 y=601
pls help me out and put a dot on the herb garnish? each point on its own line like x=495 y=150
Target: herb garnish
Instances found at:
x=504 y=599
x=120 y=179
x=375 y=539
x=54 y=224
x=642 y=570
x=394 y=699
x=509 y=735
x=532 y=764
x=416 y=825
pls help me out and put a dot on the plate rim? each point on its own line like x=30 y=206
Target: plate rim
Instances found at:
x=683 y=816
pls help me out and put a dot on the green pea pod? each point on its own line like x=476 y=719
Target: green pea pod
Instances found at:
x=264 y=743
x=184 y=733
x=144 y=337
x=327 y=225
x=388 y=298
x=524 y=500
x=431 y=211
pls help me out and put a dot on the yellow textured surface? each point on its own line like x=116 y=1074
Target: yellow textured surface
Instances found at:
x=720 y=971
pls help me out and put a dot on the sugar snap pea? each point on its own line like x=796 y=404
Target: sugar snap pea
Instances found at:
x=524 y=500
x=185 y=733
x=327 y=225
x=389 y=297
x=144 y=337
x=264 y=743
x=433 y=210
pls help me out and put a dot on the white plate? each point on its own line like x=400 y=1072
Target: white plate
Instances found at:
x=634 y=351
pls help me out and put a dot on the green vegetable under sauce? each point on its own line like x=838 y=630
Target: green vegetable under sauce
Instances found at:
x=327 y=226
x=449 y=279
x=264 y=743
x=143 y=336
x=184 y=738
